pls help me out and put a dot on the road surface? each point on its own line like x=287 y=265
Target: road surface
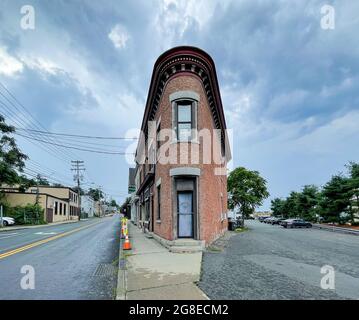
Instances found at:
x=71 y=261
x=271 y=262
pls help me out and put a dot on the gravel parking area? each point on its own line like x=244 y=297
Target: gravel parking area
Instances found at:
x=271 y=262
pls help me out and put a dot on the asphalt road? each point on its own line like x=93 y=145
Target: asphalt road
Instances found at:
x=71 y=261
x=270 y=262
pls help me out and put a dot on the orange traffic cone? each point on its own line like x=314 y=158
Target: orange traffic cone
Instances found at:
x=126 y=244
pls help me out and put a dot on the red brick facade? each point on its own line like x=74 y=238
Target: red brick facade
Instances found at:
x=187 y=74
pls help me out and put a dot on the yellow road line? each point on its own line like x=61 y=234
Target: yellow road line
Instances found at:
x=40 y=242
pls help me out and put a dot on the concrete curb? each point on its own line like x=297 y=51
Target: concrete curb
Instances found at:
x=121 y=276
x=336 y=229
x=200 y=277
x=201 y=292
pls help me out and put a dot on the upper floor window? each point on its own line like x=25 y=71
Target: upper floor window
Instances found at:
x=158 y=131
x=159 y=202
x=185 y=120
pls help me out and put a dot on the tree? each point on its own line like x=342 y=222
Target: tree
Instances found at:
x=246 y=189
x=57 y=185
x=12 y=160
x=41 y=181
x=353 y=186
x=291 y=206
x=335 y=198
x=278 y=207
x=113 y=203
x=307 y=202
x=82 y=192
x=95 y=194
x=337 y=201
x=25 y=183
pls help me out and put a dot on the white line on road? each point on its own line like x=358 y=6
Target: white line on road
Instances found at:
x=9 y=235
x=45 y=233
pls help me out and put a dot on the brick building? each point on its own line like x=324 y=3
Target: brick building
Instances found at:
x=181 y=157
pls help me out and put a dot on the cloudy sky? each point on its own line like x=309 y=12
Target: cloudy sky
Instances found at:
x=290 y=88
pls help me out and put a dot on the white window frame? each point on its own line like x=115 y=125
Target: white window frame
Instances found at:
x=175 y=99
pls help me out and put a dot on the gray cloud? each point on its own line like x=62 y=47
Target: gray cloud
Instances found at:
x=284 y=80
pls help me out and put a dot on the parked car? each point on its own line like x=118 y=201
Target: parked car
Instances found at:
x=268 y=220
x=294 y=223
x=276 y=220
x=7 y=221
x=261 y=219
x=282 y=221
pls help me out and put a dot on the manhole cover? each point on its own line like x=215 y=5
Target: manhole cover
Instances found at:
x=105 y=270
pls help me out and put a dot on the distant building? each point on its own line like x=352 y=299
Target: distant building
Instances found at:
x=134 y=198
x=258 y=214
x=59 y=203
x=87 y=207
x=99 y=210
x=355 y=206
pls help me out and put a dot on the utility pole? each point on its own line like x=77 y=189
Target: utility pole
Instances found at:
x=78 y=166
x=1 y=216
x=99 y=199
x=37 y=199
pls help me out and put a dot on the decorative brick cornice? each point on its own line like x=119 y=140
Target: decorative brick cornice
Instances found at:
x=191 y=60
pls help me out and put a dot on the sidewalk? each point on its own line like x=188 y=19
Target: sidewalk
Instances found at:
x=154 y=273
x=333 y=228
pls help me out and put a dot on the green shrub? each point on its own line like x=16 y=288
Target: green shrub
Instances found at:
x=29 y=214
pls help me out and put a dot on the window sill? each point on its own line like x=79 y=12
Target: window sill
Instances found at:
x=185 y=141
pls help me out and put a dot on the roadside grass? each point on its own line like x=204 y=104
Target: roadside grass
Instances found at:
x=116 y=261
x=239 y=230
x=214 y=249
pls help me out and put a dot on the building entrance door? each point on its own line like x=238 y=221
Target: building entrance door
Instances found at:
x=49 y=215
x=185 y=214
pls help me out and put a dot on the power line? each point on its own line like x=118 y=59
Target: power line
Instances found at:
x=77 y=135
x=47 y=170
x=87 y=143
x=48 y=140
x=35 y=173
x=30 y=117
x=49 y=174
x=44 y=148
x=19 y=117
x=34 y=170
x=81 y=146
x=75 y=148
x=23 y=119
